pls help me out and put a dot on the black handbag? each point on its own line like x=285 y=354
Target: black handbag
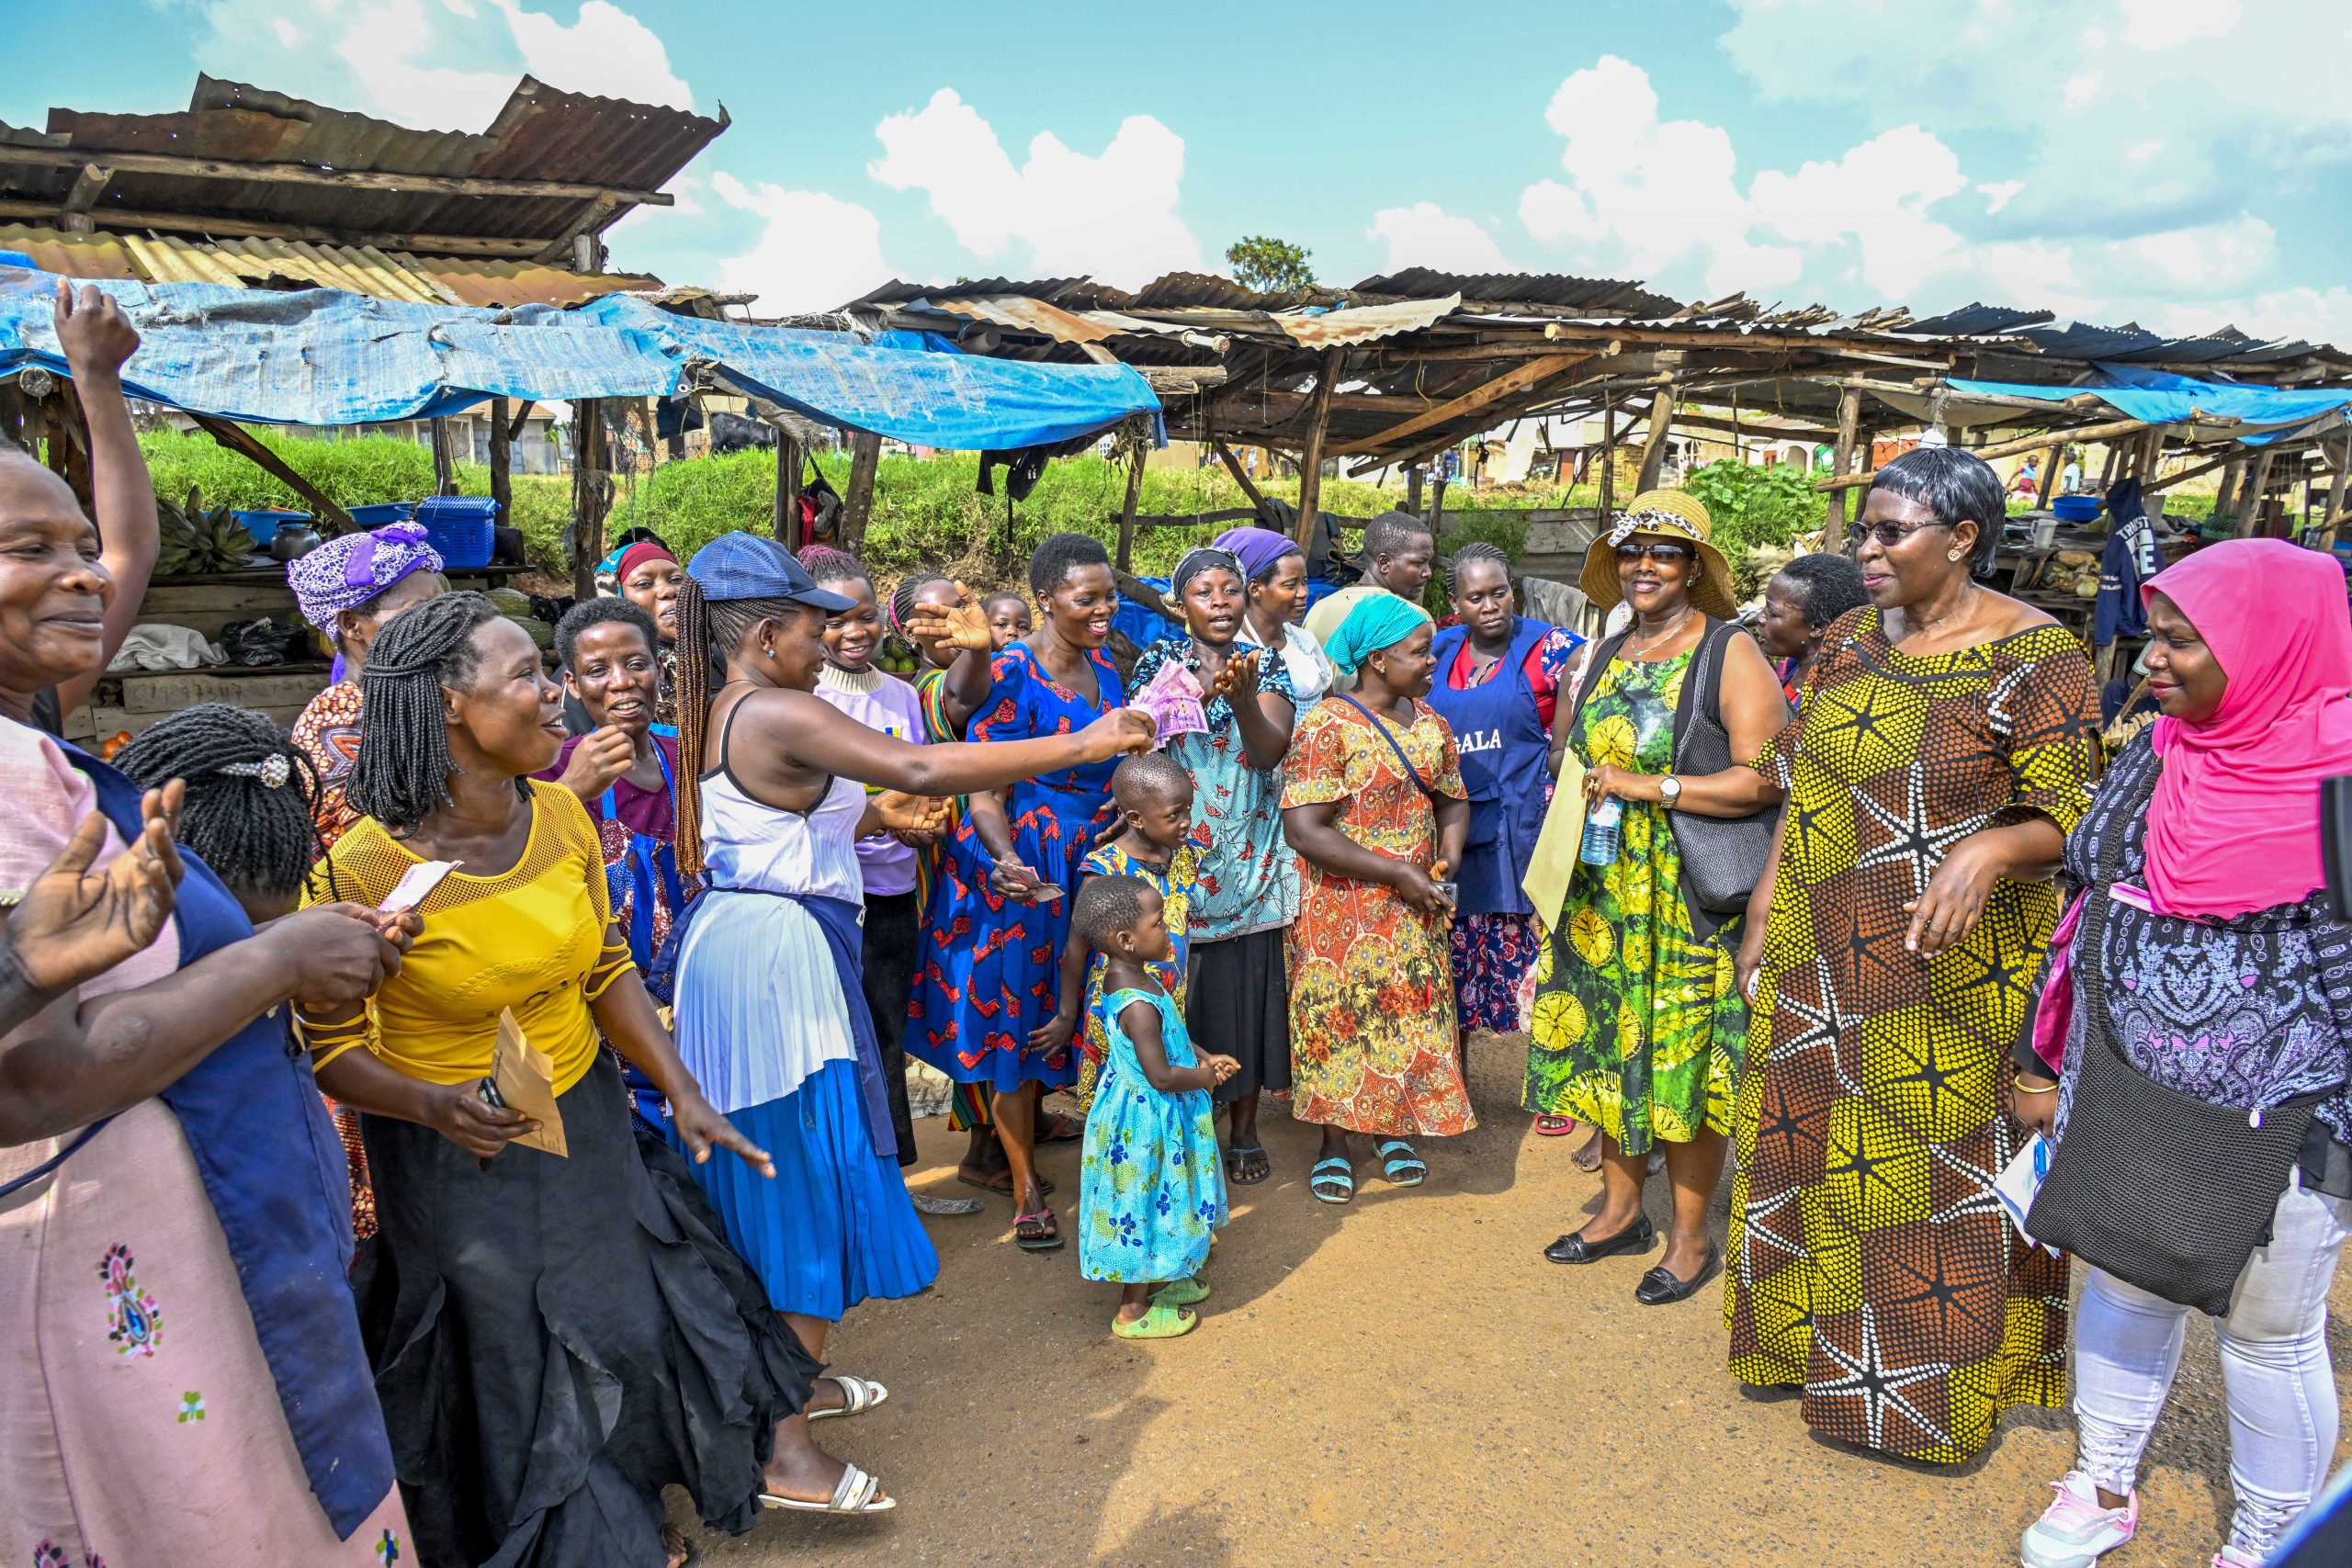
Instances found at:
x=2162 y=1190
x=1722 y=857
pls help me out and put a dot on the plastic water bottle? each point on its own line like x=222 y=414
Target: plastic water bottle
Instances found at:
x=1603 y=829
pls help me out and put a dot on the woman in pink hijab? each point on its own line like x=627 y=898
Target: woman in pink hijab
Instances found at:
x=2206 y=964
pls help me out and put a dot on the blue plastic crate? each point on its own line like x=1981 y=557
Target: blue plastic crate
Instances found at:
x=383 y=514
x=462 y=528
x=264 y=524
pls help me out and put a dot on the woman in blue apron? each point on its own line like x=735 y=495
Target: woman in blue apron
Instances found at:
x=1496 y=683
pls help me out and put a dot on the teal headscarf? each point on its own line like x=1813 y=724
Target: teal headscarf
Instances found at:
x=1377 y=621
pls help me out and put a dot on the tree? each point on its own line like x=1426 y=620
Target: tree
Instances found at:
x=1270 y=266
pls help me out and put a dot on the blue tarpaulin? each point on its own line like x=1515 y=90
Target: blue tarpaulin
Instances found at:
x=2257 y=415
x=325 y=357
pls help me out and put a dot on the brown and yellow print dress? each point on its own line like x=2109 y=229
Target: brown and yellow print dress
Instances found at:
x=1869 y=1261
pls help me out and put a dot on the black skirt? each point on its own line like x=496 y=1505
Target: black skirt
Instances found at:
x=1237 y=1001
x=891 y=953
x=557 y=1339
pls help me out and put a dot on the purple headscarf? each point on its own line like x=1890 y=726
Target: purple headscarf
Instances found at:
x=1257 y=549
x=352 y=568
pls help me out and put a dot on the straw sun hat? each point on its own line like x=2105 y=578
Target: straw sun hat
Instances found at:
x=1663 y=514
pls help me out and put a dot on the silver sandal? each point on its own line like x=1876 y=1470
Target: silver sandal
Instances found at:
x=857 y=1493
x=858 y=1397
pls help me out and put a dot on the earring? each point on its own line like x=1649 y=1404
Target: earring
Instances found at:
x=1951 y=555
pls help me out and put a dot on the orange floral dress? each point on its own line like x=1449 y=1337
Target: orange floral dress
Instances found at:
x=1374 y=1040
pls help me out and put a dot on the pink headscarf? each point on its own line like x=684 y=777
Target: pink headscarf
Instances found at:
x=2234 y=824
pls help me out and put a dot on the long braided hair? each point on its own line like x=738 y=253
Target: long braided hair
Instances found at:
x=401 y=775
x=250 y=792
x=708 y=630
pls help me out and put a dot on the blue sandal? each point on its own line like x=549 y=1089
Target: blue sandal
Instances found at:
x=1332 y=1181
x=1403 y=1166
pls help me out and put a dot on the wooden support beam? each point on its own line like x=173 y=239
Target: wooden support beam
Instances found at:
x=237 y=439
x=1850 y=419
x=1135 y=494
x=2253 y=501
x=2335 y=493
x=1759 y=340
x=1518 y=378
x=786 y=525
x=115 y=217
x=1241 y=478
x=601 y=214
x=444 y=464
x=858 y=505
x=522 y=414
x=88 y=185
x=1413 y=490
x=592 y=494
x=1609 y=433
x=2226 y=498
x=2051 y=461
x=1654 y=440
x=502 y=462
x=340 y=179
x=2005 y=449
x=1310 y=465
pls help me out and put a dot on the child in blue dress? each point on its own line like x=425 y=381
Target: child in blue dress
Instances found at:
x=1150 y=1188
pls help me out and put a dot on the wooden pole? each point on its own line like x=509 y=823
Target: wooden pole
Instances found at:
x=1310 y=465
x=2225 y=499
x=1413 y=490
x=2051 y=461
x=857 y=507
x=2251 y=503
x=1654 y=443
x=1608 y=460
x=1241 y=477
x=786 y=521
x=1849 y=420
x=238 y=440
x=2107 y=469
x=445 y=468
x=592 y=494
x=502 y=462
x=2008 y=449
x=1437 y=506
x=2152 y=468
x=1135 y=494
x=2335 y=493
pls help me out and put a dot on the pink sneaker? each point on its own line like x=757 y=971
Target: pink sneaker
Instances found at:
x=2075 y=1531
x=2228 y=1557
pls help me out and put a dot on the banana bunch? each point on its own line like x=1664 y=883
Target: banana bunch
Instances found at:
x=197 y=540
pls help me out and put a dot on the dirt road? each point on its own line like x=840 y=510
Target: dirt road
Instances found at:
x=1406 y=1381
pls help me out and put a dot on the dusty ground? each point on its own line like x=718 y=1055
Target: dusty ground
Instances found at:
x=1406 y=1381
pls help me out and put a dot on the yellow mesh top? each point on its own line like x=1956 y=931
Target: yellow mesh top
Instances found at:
x=535 y=940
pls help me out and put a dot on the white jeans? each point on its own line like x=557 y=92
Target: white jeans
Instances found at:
x=2280 y=1392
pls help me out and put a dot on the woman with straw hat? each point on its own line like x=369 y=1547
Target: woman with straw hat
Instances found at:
x=1638 y=1028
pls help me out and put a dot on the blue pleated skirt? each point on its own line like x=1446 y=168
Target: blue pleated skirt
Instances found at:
x=835 y=1226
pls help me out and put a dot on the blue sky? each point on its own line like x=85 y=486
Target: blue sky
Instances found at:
x=2180 y=162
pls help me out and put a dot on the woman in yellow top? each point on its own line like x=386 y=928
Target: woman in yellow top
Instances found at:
x=555 y=1338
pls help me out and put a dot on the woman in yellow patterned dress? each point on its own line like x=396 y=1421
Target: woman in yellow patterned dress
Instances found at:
x=1637 y=1027
x=1947 y=743
x=1374 y=803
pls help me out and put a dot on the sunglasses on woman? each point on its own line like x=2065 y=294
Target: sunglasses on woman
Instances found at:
x=1662 y=552
x=1888 y=534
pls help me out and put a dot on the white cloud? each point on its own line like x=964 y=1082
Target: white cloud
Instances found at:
x=2168 y=24
x=607 y=53
x=2080 y=89
x=1425 y=235
x=289 y=35
x=1113 y=216
x=1998 y=192
x=1876 y=197
x=816 y=251
x=384 y=47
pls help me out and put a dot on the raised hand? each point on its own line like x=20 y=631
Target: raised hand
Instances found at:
x=92 y=331
x=1238 y=680
x=602 y=756
x=961 y=624
x=72 y=927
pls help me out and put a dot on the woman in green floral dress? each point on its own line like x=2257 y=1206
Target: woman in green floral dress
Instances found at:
x=1638 y=1028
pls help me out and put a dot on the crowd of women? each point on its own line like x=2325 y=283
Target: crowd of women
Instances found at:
x=475 y=1108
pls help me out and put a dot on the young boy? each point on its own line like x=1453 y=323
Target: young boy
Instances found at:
x=1151 y=1193
x=1154 y=840
x=1007 y=618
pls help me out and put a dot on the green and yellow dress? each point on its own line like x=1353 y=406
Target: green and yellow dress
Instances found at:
x=1638 y=1028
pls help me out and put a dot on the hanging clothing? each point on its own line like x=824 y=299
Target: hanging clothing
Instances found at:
x=1151 y=1191
x=183 y=1262
x=771 y=1019
x=1867 y=1257
x=993 y=966
x=2127 y=563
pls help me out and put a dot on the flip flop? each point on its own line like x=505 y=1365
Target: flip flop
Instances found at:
x=857 y=1493
x=858 y=1397
x=1332 y=1176
x=1064 y=1130
x=1402 y=1166
x=1159 y=1321
x=1554 y=1127
x=1232 y=1161
x=1045 y=1243
x=1044 y=1184
x=1182 y=1293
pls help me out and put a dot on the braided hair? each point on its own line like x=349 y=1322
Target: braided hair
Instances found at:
x=708 y=630
x=902 y=598
x=1476 y=549
x=826 y=564
x=250 y=791
x=401 y=775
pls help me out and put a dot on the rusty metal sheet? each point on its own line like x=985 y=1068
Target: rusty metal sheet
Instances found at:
x=70 y=255
x=1363 y=324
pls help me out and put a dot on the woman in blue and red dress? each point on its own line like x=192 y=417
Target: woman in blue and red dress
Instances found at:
x=1001 y=911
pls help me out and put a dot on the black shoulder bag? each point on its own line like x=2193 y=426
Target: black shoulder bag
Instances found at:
x=2160 y=1189
x=1722 y=857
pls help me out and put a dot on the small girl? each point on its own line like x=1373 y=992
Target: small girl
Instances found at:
x=1007 y=617
x=1150 y=1189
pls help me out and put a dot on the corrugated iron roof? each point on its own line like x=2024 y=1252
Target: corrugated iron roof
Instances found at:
x=1363 y=323
x=251 y=264
x=898 y=291
x=542 y=133
x=1592 y=295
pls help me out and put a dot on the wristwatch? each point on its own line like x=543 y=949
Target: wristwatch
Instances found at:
x=1670 y=791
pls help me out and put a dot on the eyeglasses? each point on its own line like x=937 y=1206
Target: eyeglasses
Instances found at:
x=1659 y=551
x=1888 y=534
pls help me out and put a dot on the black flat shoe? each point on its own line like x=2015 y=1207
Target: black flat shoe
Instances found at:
x=1660 y=1288
x=1635 y=1237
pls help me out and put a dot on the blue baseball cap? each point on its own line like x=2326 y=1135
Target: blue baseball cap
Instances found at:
x=749 y=565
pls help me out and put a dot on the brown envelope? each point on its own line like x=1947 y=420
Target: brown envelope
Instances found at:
x=526 y=1080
